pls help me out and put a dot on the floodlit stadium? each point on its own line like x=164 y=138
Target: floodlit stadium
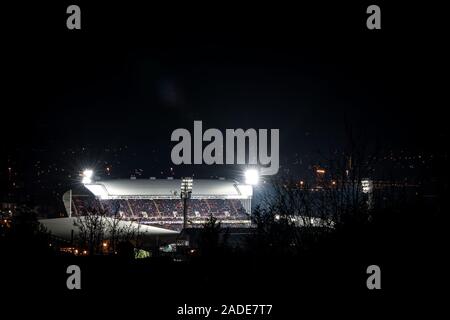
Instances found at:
x=159 y=203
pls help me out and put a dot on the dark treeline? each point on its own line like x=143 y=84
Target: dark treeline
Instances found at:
x=311 y=242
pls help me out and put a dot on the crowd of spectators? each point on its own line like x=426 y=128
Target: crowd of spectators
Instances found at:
x=167 y=209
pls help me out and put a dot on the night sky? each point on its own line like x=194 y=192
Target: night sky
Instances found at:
x=135 y=73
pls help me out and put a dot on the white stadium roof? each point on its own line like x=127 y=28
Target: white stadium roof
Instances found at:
x=62 y=227
x=168 y=189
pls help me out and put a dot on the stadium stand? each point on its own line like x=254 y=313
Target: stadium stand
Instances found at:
x=156 y=202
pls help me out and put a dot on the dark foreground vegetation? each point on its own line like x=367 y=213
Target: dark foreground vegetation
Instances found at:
x=296 y=268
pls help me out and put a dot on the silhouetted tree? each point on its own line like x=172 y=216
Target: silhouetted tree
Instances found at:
x=97 y=226
x=213 y=239
x=24 y=235
x=92 y=227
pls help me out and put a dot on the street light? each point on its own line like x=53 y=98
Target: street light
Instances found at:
x=186 y=192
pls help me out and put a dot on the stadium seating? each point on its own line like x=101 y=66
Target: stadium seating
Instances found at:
x=163 y=211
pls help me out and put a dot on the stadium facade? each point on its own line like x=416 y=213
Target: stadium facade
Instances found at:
x=157 y=202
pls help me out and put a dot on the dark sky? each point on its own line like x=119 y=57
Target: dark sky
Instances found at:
x=135 y=73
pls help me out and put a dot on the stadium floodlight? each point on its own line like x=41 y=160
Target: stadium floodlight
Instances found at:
x=88 y=173
x=186 y=187
x=86 y=180
x=367 y=185
x=251 y=177
x=186 y=192
x=87 y=176
x=367 y=188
